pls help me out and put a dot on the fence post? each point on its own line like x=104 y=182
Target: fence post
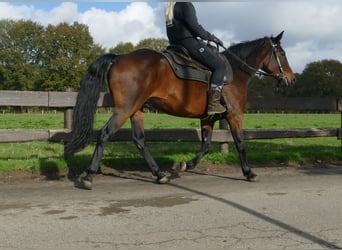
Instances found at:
x=68 y=114
x=224 y=148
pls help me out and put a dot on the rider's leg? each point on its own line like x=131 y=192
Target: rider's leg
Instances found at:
x=210 y=58
x=214 y=97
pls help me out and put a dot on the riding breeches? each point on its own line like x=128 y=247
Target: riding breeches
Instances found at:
x=208 y=57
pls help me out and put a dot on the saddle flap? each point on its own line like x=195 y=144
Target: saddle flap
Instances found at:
x=184 y=66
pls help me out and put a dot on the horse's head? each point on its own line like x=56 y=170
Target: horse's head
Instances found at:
x=275 y=62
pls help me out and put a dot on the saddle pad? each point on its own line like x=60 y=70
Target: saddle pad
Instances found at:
x=185 y=67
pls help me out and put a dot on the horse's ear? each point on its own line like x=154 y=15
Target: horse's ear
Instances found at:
x=278 y=37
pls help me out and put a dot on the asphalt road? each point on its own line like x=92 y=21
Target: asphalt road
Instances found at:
x=289 y=208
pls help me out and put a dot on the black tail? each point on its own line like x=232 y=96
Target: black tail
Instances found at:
x=87 y=98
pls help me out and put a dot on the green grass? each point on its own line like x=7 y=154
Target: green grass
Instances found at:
x=292 y=121
x=48 y=157
x=55 y=121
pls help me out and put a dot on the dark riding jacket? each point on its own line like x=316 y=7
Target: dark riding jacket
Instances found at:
x=185 y=24
x=185 y=30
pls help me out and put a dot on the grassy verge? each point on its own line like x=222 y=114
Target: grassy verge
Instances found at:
x=48 y=157
x=55 y=121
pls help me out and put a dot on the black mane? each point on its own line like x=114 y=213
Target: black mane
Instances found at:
x=243 y=50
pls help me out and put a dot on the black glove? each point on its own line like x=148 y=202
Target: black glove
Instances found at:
x=217 y=41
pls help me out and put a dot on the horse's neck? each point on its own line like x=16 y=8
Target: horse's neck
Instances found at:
x=249 y=60
x=250 y=66
x=256 y=60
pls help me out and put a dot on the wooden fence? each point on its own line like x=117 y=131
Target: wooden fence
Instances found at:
x=66 y=100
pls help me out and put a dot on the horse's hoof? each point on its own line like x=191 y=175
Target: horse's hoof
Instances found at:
x=87 y=184
x=251 y=177
x=163 y=180
x=182 y=166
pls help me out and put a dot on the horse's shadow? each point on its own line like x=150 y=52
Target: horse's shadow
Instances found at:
x=217 y=175
x=119 y=168
x=136 y=170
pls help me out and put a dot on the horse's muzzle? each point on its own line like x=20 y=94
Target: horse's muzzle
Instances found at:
x=285 y=81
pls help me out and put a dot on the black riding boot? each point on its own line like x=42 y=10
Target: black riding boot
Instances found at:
x=214 y=106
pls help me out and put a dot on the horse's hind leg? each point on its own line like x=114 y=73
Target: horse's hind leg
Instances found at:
x=206 y=133
x=111 y=127
x=137 y=121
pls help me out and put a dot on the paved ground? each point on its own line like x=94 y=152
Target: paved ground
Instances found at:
x=289 y=208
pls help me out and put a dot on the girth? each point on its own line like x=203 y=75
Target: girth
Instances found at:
x=187 y=68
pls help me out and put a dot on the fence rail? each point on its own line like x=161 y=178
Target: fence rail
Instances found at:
x=67 y=101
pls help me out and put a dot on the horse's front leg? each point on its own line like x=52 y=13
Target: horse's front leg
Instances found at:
x=137 y=123
x=206 y=134
x=241 y=148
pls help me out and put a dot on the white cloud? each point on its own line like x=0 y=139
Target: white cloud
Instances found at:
x=300 y=53
x=66 y=12
x=134 y=23
x=312 y=28
x=8 y=11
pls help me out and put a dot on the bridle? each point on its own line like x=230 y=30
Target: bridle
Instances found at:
x=277 y=76
x=259 y=72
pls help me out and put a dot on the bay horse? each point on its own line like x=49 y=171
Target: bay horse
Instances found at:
x=145 y=76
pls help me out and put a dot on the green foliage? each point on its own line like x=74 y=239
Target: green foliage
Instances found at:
x=262 y=87
x=52 y=58
x=69 y=51
x=20 y=54
x=158 y=44
x=122 y=48
x=44 y=156
x=36 y=58
x=320 y=79
x=153 y=43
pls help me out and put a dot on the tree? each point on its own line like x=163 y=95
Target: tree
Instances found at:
x=20 y=54
x=68 y=52
x=319 y=79
x=158 y=44
x=33 y=57
x=262 y=87
x=122 y=48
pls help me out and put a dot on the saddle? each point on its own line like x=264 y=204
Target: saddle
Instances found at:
x=185 y=67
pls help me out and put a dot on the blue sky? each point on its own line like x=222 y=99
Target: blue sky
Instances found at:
x=82 y=5
x=312 y=27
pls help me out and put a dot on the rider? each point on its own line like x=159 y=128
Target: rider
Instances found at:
x=182 y=28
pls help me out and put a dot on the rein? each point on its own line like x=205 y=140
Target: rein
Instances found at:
x=260 y=72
